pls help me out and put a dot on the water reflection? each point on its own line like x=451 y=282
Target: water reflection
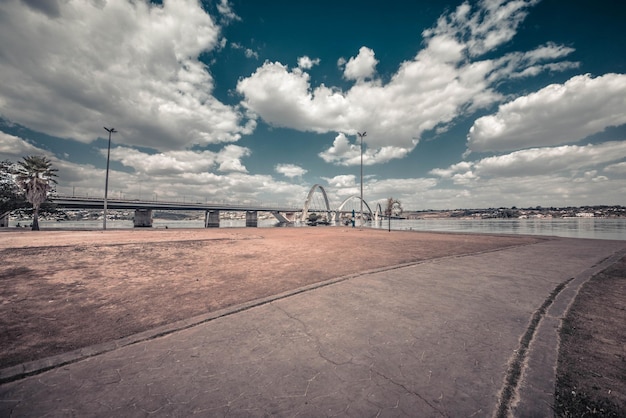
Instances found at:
x=599 y=228
x=595 y=228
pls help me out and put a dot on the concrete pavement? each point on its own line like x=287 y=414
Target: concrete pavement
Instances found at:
x=437 y=338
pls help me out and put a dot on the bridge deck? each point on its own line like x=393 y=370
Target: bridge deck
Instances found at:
x=98 y=203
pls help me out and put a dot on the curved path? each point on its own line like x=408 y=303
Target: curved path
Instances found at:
x=459 y=336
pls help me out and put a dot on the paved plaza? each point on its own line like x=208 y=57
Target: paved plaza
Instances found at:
x=430 y=339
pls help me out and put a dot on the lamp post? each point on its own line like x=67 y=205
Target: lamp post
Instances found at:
x=106 y=182
x=361 y=135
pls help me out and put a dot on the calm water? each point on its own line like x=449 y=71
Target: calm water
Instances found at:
x=569 y=227
x=599 y=228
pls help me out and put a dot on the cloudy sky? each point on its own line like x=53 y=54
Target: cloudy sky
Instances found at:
x=466 y=104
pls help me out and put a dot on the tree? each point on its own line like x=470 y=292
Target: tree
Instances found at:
x=11 y=197
x=394 y=208
x=35 y=176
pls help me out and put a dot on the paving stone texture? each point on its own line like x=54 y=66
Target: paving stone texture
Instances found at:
x=431 y=339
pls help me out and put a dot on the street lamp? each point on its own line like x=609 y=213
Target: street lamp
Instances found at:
x=106 y=182
x=361 y=135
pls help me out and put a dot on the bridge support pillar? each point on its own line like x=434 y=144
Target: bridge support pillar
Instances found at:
x=251 y=218
x=143 y=218
x=212 y=219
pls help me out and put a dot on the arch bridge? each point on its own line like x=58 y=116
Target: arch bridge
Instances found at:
x=316 y=201
x=335 y=215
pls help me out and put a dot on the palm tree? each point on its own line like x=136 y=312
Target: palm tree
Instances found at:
x=34 y=175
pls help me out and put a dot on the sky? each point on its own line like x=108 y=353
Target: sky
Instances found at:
x=473 y=104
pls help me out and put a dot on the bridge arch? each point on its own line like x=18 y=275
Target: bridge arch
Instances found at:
x=307 y=202
x=355 y=197
x=378 y=212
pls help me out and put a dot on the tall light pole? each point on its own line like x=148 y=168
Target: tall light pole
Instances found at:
x=361 y=135
x=106 y=182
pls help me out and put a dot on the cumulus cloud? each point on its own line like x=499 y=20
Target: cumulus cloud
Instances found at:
x=341 y=181
x=539 y=161
x=282 y=98
x=342 y=150
x=345 y=153
x=229 y=158
x=133 y=65
x=536 y=162
x=618 y=168
x=307 y=63
x=444 y=81
x=290 y=170
x=180 y=162
x=13 y=147
x=556 y=114
x=362 y=66
x=173 y=175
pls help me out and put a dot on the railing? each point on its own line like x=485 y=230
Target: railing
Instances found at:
x=76 y=201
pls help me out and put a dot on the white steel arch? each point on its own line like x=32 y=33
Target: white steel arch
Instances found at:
x=340 y=208
x=378 y=212
x=307 y=202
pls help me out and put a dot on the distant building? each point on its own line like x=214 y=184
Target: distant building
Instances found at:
x=584 y=215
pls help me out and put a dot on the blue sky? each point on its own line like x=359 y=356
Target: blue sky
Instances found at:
x=466 y=104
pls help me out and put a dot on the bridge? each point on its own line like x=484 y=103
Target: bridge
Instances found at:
x=343 y=211
x=316 y=202
x=143 y=209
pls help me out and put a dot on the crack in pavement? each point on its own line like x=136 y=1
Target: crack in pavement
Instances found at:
x=410 y=392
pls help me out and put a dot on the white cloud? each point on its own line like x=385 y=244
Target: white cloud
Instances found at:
x=556 y=114
x=197 y=176
x=540 y=161
x=495 y=24
x=568 y=159
x=527 y=64
x=14 y=148
x=226 y=11
x=362 y=66
x=229 y=159
x=618 y=168
x=307 y=63
x=290 y=170
x=442 y=82
x=342 y=150
x=172 y=163
x=132 y=65
x=345 y=153
x=249 y=53
x=282 y=98
x=342 y=181
x=461 y=167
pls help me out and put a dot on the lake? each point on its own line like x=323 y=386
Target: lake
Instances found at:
x=594 y=228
